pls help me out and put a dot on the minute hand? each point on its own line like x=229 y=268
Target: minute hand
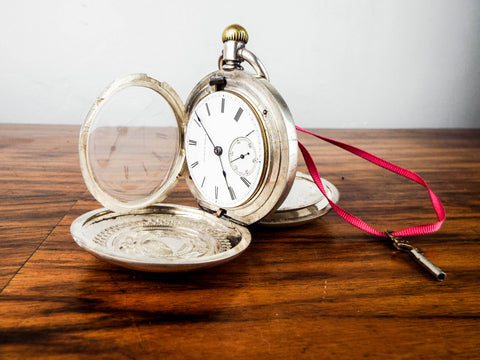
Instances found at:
x=203 y=127
x=224 y=173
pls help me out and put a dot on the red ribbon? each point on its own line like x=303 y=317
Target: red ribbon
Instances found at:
x=352 y=219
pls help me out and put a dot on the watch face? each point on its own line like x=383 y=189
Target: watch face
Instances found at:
x=225 y=149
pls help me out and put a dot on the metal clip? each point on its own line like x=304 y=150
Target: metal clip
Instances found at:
x=417 y=255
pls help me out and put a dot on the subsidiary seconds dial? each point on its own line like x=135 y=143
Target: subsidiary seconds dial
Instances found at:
x=242 y=156
x=225 y=149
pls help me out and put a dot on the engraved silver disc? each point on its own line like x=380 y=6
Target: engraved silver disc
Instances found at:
x=160 y=238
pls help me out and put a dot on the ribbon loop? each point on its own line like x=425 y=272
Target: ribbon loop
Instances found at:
x=352 y=219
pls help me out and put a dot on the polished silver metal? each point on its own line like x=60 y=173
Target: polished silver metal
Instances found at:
x=254 y=61
x=162 y=238
x=304 y=203
x=280 y=143
x=417 y=254
x=164 y=90
x=434 y=270
x=244 y=54
x=230 y=55
x=234 y=38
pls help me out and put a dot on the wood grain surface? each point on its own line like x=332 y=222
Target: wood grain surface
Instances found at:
x=323 y=290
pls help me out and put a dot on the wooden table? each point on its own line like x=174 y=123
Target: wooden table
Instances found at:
x=323 y=290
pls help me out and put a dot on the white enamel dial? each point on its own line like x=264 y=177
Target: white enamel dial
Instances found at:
x=225 y=149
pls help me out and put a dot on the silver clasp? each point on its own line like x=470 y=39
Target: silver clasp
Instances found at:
x=417 y=255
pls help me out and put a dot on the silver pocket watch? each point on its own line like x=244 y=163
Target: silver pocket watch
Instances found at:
x=235 y=143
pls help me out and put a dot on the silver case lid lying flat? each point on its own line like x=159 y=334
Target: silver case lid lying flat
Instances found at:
x=161 y=238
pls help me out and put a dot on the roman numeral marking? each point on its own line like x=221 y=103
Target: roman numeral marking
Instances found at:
x=238 y=114
x=223 y=105
x=245 y=181
x=192 y=142
x=216 y=192
x=208 y=110
x=232 y=193
x=194 y=164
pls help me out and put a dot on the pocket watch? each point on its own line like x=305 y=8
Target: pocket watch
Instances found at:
x=234 y=141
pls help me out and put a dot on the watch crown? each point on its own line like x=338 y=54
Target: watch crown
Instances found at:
x=235 y=32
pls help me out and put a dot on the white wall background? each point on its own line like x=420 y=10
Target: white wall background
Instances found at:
x=342 y=64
